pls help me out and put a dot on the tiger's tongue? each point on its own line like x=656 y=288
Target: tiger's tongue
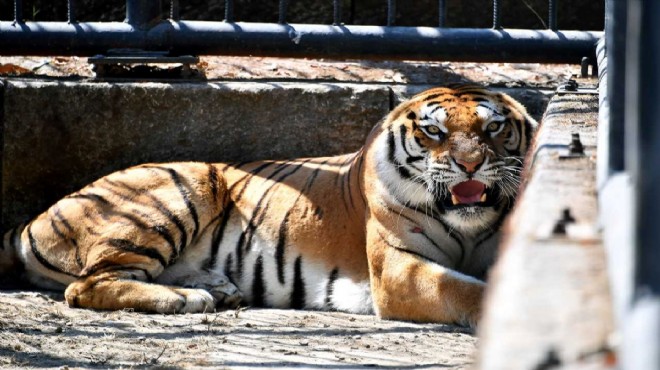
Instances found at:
x=467 y=192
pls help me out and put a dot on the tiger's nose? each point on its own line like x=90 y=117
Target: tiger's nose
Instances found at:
x=469 y=166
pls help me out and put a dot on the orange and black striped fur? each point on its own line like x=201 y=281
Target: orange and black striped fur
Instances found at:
x=406 y=227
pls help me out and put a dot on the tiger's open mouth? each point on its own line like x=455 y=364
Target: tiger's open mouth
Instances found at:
x=469 y=193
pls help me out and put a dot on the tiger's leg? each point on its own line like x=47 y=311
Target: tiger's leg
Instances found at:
x=407 y=286
x=124 y=289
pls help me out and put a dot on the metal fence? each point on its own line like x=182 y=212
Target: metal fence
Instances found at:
x=146 y=28
x=629 y=158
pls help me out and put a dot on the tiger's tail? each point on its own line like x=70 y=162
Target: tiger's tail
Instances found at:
x=10 y=265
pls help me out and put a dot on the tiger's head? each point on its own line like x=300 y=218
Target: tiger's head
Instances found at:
x=458 y=151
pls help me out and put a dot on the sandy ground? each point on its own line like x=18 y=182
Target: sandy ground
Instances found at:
x=38 y=330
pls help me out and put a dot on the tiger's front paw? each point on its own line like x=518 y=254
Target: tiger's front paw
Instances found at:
x=194 y=301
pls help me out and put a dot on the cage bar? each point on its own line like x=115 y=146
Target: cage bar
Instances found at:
x=391 y=12
x=323 y=41
x=18 y=11
x=284 y=7
x=71 y=11
x=442 y=13
x=552 y=14
x=229 y=11
x=175 y=10
x=142 y=14
x=497 y=6
x=337 y=12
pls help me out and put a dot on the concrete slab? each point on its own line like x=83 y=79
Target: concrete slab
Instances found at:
x=59 y=135
x=549 y=305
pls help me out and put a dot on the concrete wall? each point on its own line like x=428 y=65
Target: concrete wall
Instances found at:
x=60 y=135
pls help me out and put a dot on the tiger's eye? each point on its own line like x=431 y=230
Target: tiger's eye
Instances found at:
x=433 y=130
x=493 y=126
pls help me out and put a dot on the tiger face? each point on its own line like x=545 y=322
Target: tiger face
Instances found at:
x=460 y=153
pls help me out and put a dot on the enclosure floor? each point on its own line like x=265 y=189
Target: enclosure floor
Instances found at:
x=38 y=330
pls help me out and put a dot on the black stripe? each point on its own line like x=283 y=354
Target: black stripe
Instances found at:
x=432 y=96
x=411 y=158
x=158 y=205
x=258 y=283
x=89 y=196
x=347 y=181
x=402 y=249
x=402 y=171
x=40 y=257
x=128 y=246
x=228 y=266
x=298 y=293
x=280 y=248
x=329 y=289
x=400 y=214
x=411 y=116
x=176 y=178
x=60 y=217
x=219 y=232
x=360 y=162
x=284 y=225
x=213 y=180
x=259 y=214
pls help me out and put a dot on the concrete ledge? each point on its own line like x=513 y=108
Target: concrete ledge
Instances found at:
x=60 y=135
x=549 y=304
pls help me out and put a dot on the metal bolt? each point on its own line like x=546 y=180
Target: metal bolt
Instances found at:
x=571 y=85
x=566 y=218
x=576 y=147
x=584 y=67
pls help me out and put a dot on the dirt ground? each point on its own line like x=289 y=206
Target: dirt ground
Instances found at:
x=38 y=330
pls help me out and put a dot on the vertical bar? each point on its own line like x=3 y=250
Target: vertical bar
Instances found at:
x=337 y=4
x=71 y=11
x=351 y=19
x=552 y=15
x=391 y=12
x=284 y=6
x=642 y=122
x=229 y=11
x=615 y=31
x=18 y=11
x=496 y=14
x=142 y=14
x=442 y=13
x=175 y=10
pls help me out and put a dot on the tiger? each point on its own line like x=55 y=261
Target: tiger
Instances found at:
x=405 y=228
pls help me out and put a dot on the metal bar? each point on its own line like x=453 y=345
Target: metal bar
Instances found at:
x=143 y=14
x=18 y=11
x=337 y=12
x=552 y=14
x=641 y=337
x=71 y=11
x=391 y=12
x=301 y=40
x=229 y=11
x=175 y=10
x=284 y=7
x=616 y=24
x=442 y=13
x=497 y=6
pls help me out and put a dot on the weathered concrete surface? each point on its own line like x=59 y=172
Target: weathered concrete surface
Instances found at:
x=549 y=304
x=59 y=135
x=39 y=332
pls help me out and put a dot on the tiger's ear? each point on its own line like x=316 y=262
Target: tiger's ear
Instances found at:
x=399 y=97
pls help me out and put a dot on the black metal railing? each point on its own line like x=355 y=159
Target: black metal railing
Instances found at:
x=629 y=155
x=146 y=28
